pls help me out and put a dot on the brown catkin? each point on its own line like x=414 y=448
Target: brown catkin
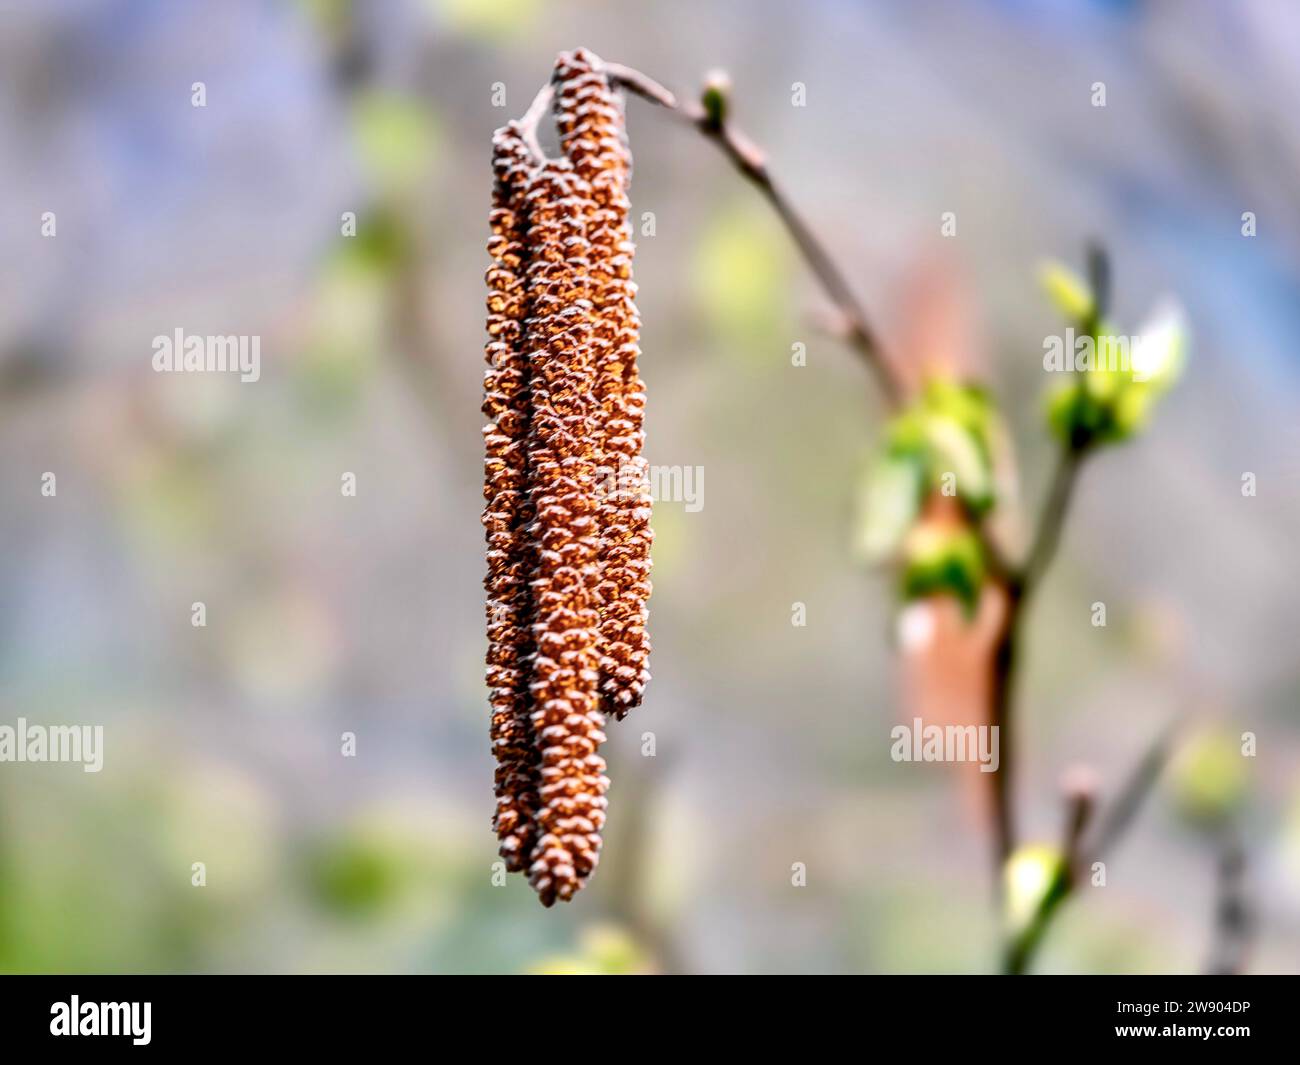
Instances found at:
x=508 y=511
x=563 y=453
x=589 y=115
x=567 y=503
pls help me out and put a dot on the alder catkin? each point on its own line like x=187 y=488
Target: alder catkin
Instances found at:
x=567 y=503
x=563 y=454
x=508 y=511
x=589 y=116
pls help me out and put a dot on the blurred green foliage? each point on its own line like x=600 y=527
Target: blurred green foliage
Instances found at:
x=396 y=138
x=343 y=348
x=356 y=875
x=1208 y=778
x=942 y=442
x=488 y=19
x=738 y=277
x=603 y=950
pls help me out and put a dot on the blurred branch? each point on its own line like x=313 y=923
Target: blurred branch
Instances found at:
x=1021 y=583
x=1126 y=805
x=1232 y=915
x=1047 y=536
x=626 y=883
x=1110 y=831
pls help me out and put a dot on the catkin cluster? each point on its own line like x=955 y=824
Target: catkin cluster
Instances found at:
x=567 y=506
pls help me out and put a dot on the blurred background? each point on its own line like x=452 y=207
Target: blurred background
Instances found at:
x=328 y=614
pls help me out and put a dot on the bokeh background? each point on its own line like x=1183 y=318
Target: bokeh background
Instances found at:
x=328 y=614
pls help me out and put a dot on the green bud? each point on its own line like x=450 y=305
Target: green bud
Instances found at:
x=715 y=98
x=943 y=561
x=1032 y=871
x=1114 y=400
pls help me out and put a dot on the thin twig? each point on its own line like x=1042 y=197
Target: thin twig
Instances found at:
x=1005 y=650
x=1126 y=805
x=1050 y=523
x=532 y=118
x=750 y=160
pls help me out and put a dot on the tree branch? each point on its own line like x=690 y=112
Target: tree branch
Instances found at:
x=1047 y=537
x=751 y=162
x=1020 y=584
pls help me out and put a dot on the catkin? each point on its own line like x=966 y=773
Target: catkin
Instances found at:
x=567 y=507
x=562 y=457
x=508 y=511
x=589 y=116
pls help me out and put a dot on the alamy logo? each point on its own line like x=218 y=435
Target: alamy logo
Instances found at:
x=53 y=743
x=946 y=743
x=1142 y=356
x=102 y=1018
x=179 y=353
x=662 y=484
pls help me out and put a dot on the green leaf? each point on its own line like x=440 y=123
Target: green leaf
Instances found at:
x=888 y=504
x=965 y=403
x=949 y=429
x=1158 y=362
x=943 y=561
x=1068 y=292
x=955 y=449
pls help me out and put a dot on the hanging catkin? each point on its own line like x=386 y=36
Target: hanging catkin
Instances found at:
x=563 y=456
x=592 y=132
x=508 y=512
x=568 y=511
